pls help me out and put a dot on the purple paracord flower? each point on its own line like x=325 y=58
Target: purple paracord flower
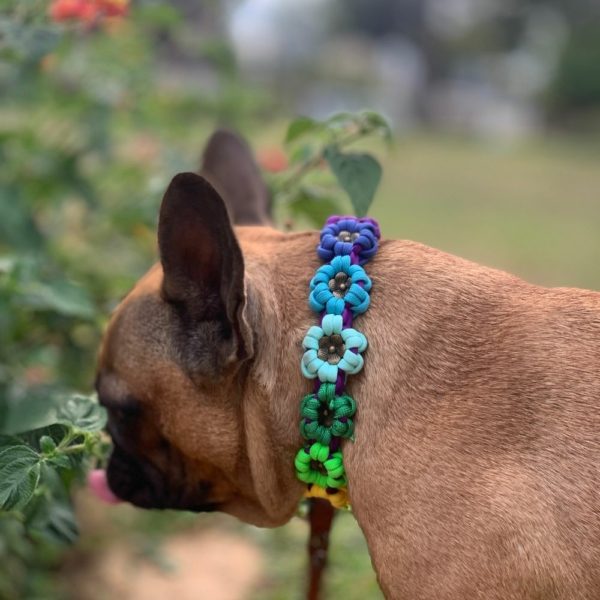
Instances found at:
x=344 y=235
x=336 y=218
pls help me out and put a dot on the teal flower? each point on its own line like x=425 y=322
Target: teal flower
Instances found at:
x=330 y=348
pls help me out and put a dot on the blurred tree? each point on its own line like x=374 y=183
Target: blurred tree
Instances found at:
x=574 y=95
x=456 y=37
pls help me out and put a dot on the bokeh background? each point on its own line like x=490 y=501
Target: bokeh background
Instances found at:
x=495 y=106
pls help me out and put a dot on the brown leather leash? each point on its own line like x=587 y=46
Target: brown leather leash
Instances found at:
x=320 y=517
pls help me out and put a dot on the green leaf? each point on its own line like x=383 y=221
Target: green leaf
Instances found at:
x=17 y=226
x=9 y=440
x=359 y=174
x=7 y=264
x=316 y=211
x=158 y=15
x=63 y=297
x=342 y=119
x=376 y=121
x=51 y=519
x=57 y=432
x=300 y=126
x=83 y=413
x=301 y=153
x=19 y=475
x=25 y=413
x=62 y=523
x=61 y=460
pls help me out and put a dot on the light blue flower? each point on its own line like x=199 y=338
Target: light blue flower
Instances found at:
x=329 y=348
x=336 y=285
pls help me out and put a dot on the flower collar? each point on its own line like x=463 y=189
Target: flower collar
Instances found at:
x=339 y=291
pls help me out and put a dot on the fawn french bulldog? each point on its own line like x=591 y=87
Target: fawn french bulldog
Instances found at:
x=475 y=469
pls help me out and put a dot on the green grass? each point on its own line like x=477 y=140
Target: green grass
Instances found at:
x=532 y=209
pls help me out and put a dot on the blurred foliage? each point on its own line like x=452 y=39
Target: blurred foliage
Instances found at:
x=37 y=470
x=65 y=94
x=576 y=87
x=561 y=37
x=90 y=132
x=305 y=187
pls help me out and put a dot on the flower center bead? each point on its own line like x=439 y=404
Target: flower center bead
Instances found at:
x=325 y=417
x=347 y=236
x=331 y=348
x=315 y=465
x=340 y=284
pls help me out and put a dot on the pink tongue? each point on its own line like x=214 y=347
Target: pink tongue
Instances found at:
x=99 y=486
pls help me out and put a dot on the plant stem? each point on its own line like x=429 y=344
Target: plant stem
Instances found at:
x=73 y=449
x=312 y=162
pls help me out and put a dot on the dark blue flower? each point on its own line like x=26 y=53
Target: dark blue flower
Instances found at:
x=343 y=235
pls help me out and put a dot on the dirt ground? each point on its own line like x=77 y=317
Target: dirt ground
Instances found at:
x=196 y=564
x=205 y=565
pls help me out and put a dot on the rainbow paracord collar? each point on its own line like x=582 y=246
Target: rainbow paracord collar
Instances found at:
x=338 y=292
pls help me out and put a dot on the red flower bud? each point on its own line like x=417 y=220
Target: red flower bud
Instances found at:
x=65 y=10
x=113 y=8
x=87 y=11
x=272 y=159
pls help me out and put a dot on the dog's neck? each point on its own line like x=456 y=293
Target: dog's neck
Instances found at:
x=417 y=291
x=278 y=269
x=413 y=291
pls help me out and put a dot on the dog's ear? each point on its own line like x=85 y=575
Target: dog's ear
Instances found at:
x=229 y=165
x=203 y=267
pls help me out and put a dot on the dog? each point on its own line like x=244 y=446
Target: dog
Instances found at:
x=475 y=468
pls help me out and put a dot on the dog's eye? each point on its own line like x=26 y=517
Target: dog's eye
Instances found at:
x=123 y=410
x=126 y=410
x=120 y=414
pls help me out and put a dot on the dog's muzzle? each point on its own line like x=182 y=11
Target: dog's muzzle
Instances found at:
x=142 y=484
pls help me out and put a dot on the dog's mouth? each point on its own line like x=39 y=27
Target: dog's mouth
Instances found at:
x=143 y=486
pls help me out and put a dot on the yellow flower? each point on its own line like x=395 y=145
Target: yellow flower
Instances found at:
x=339 y=499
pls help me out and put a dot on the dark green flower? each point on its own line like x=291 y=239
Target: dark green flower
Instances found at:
x=325 y=415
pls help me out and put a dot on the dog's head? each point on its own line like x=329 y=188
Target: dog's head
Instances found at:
x=174 y=371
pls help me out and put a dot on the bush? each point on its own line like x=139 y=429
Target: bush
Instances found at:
x=89 y=138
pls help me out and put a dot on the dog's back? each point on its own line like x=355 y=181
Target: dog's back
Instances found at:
x=475 y=468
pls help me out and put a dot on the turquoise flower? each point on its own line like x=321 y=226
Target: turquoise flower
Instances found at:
x=337 y=284
x=329 y=348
